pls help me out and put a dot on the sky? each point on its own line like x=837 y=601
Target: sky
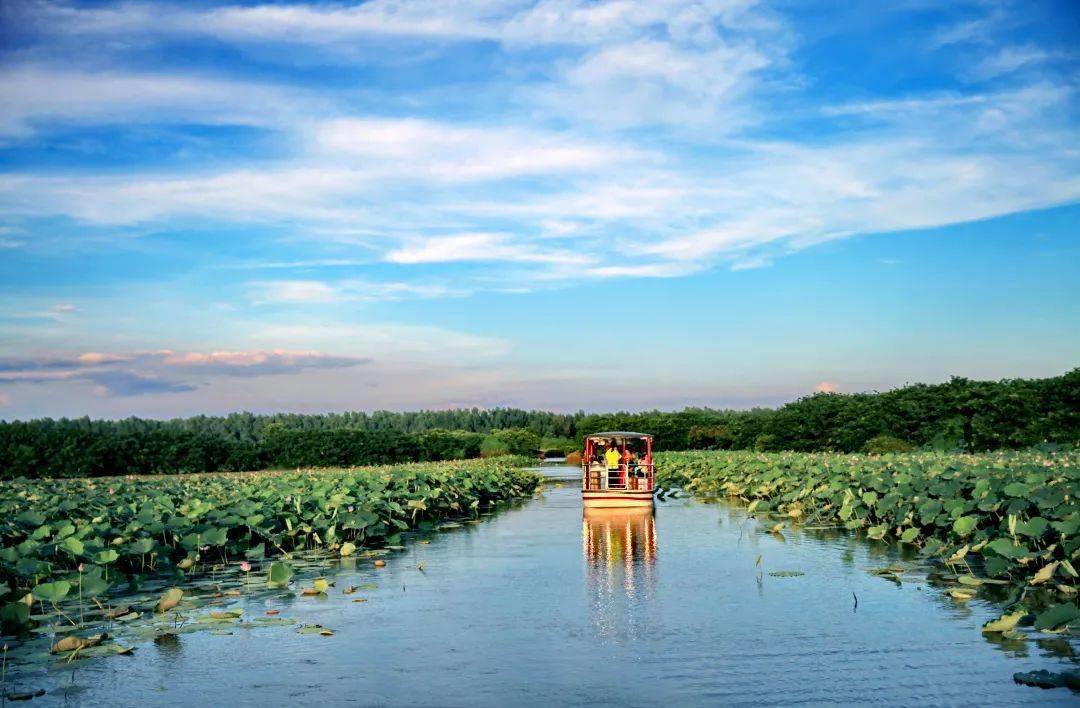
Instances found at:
x=556 y=204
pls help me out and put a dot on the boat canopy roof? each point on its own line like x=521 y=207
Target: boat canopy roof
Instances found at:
x=618 y=434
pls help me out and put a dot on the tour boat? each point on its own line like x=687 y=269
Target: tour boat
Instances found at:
x=617 y=470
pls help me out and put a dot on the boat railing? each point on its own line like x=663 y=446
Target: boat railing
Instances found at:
x=635 y=476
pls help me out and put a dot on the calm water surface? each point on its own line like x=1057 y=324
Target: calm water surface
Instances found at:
x=546 y=605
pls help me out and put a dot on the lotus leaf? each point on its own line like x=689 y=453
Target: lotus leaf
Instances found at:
x=965 y=525
x=1003 y=623
x=52 y=592
x=1057 y=616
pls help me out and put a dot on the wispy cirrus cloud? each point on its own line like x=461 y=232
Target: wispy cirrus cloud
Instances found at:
x=476 y=247
x=344 y=290
x=53 y=95
x=432 y=150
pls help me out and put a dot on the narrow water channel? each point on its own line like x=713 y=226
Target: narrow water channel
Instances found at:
x=546 y=605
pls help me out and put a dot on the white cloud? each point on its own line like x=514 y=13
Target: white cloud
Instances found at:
x=293 y=291
x=1009 y=59
x=49 y=94
x=383 y=341
x=826 y=387
x=891 y=107
x=512 y=22
x=423 y=149
x=475 y=247
x=666 y=61
x=650 y=82
x=751 y=263
x=317 y=291
x=645 y=270
x=5 y=400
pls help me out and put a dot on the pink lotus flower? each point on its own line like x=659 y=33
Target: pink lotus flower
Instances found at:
x=80 y=567
x=245 y=566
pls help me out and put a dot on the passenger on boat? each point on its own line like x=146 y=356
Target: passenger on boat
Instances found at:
x=641 y=467
x=612 y=457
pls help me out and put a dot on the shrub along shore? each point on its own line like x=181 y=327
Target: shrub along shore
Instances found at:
x=959 y=415
x=63 y=539
x=1000 y=517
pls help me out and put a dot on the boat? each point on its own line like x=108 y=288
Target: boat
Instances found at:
x=617 y=470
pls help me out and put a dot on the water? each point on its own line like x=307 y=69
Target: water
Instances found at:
x=546 y=605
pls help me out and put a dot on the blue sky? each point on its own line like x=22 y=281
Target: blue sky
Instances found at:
x=557 y=204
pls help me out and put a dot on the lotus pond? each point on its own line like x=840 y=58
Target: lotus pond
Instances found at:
x=69 y=543
x=533 y=602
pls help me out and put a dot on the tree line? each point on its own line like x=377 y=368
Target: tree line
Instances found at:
x=961 y=414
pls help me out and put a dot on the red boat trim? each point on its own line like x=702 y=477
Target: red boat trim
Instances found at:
x=608 y=496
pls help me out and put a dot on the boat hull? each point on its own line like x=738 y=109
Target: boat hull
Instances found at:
x=617 y=498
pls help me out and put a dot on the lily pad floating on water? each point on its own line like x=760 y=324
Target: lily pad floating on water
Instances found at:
x=73 y=642
x=786 y=573
x=268 y=622
x=315 y=629
x=1004 y=623
x=318 y=587
x=226 y=614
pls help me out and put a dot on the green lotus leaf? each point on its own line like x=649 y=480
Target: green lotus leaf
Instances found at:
x=965 y=525
x=279 y=573
x=107 y=556
x=1006 y=547
x=216 y=537
x=909 y=535
x=14 y=616
x=1057 y=616
x=1017 y=489
x=73 y=546
x=30 y=519
x=52 y=592
x=141 y=547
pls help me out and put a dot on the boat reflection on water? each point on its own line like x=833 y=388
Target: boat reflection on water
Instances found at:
x=620 y=561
